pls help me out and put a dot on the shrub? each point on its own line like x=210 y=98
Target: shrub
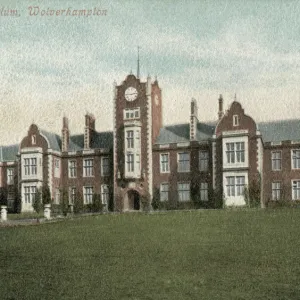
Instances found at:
x=97 y=205
x=64 y=201
x=37 y=202
x=252 y=194
x=145 y=202
x=3 y=196
x=78 y=203
x=46 y=195
x=156 y=203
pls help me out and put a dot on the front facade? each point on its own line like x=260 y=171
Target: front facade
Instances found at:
x=142 y=164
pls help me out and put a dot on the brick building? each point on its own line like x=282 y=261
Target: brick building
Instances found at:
x=196 y=164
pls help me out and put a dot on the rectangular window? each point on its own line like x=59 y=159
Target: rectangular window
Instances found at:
x=56 y=163
x=235 y=152
x=72 y=168
x=183 y=192
x=105 y=166
x=132 y=113
x=240 y=152
x=88 y=167
x=130 y=139
x=29 y=193
x=296 y=190
x=236 y=120
x=235 y=185
x=137 y=139
x=33 y=166
x=164 y=192
x=230 y=153
x=276 y=160
x=164 y=163
x=203 y=161
x=276 y=190
x=104 y=194
x=10 y=200
x=30 y=166
x=204 y=191
x=230 y=185
x=240 y=185
x=296 y=159
x=57 y=196
x=72 y=195
x=130 y=162
x=184 y=162
x=88 y=192
x=138 y=163
x=10 y=176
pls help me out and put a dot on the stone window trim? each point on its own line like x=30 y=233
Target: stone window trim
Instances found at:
x=72 y=166
x=88 y=192
x=276 y=190
x=235 y=186
x=164 y=162
x=203 y=191
x=105 y=166
x=132 y=113
x=295 y=159
x=88 y=167
x=236 y=120
x=183 y=162
x=10 y=176
x=184 y=191
x=105 y=194
x=164 y=191
x=276 y=160
x=203 y=160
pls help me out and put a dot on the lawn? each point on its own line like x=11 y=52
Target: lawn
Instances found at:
x=207 y=254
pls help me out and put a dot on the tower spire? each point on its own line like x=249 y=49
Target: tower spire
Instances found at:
x=138 y=63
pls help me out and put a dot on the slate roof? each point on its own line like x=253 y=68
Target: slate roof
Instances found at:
x=98 y=140
x=181 y=133
x=54 y=140
x=8 y=153
x=275 y=131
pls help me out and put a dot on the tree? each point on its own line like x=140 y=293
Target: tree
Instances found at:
x=78 y=203
x=17 y=202
x=97 y=205
x=46 y=195
x=3 y=196
x=156 y=203
x=37 y=201
x=64 y=201
x=252 y=193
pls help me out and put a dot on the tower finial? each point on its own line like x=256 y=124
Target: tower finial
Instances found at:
x=234 y=96
x=138 y=63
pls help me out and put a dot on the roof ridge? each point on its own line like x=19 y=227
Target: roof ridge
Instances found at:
x=277 y=121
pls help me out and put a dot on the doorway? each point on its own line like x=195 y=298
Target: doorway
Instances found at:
x=134 y=200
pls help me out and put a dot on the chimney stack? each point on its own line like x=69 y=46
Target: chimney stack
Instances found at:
x=89 y=128
x=65 y=135
x=193 y=120
x=221 y=112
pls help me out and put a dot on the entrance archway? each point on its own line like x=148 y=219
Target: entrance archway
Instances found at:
x=133 y=198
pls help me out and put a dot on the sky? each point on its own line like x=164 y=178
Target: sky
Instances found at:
x=52 y=66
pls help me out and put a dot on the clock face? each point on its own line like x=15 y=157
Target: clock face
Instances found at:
x=131 y=94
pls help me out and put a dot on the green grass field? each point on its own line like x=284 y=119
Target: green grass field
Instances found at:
x=225 y=254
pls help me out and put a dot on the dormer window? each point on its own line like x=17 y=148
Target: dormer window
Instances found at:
x=236 y=120
x=33 y=139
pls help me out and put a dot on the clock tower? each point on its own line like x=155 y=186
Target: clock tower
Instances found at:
x=137 y=121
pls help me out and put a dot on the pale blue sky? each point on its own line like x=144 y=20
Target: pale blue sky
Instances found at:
x=54 y=65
